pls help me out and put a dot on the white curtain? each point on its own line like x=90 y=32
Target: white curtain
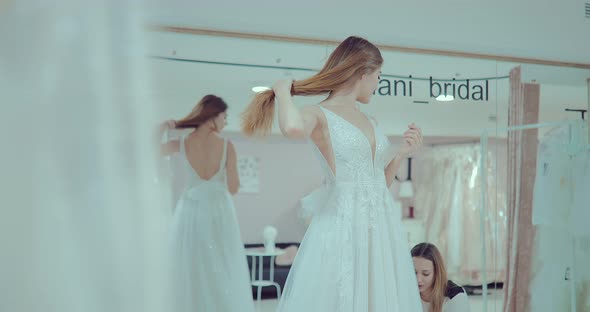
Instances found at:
x=83 y=220
x=448 y=197
x=561 y=248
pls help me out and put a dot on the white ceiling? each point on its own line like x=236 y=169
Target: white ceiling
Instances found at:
x=543 y=29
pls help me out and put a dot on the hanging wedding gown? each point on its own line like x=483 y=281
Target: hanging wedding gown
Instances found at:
x=210 y=267
x=355 y=255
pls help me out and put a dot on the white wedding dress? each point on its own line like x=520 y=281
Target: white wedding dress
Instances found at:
x=355 y=255
x=210 y=271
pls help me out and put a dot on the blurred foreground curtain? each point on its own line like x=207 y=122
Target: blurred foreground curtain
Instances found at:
x=83 y=221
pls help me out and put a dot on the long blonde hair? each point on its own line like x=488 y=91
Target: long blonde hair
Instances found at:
x=439 y=288
x=352 y=58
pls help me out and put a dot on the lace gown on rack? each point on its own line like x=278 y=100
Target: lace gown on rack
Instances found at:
x=210 y=271
x=355 y=254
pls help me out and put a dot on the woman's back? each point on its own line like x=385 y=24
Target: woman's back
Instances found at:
x=205 y=155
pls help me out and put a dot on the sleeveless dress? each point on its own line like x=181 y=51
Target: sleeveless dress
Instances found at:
x=210 y=270
x=355 y=255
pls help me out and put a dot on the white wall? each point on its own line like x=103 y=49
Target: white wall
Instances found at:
x=179 y=85
x=288 y=171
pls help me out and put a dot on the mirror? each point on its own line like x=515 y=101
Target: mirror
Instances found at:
x=437 y=194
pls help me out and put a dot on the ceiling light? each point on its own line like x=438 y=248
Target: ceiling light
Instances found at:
x=259 y=89
x=445 y=98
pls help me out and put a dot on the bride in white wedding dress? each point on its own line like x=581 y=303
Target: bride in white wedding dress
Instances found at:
x=209 y=263
x=355 y=254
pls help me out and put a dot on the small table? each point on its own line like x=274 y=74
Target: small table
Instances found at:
x=260 y=253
